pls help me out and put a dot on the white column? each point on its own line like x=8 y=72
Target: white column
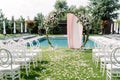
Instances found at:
x=119 y=28
x=25 y=27
x=14 y=31
x=21 y=27
x=4 y=27
x=111 y=28
x=116 y=27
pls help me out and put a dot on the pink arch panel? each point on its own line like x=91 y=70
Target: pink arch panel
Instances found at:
x=74 y=32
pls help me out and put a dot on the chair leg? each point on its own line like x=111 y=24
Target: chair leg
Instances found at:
x=19 y=74
x=1 y=76
x=29 y=66
x=102 y=68
x=26 y=71
x=108 y=75
x=34 y=63
x=13 y=76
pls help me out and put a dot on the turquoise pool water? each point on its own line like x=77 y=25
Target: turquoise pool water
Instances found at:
x=61 y=42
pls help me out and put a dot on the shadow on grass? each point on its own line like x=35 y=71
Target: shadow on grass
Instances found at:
x=44 y=62
x=34 y=72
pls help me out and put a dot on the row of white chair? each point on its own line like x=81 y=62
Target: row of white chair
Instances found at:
x=106 y=54
x=23 y=55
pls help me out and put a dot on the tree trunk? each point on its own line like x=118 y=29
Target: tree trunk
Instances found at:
x=47 y=37
x=85 y=38
x=105 y=26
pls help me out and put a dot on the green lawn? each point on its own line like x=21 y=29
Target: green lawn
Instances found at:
x=64 y=64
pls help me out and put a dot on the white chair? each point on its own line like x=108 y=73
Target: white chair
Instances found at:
x=34 y=52
x=19 y=57
x=106 y=59
x=113 y=68
x=7 y=67
x=1 y=75
x=36 y=49
x=97 y=53
x=23 y=55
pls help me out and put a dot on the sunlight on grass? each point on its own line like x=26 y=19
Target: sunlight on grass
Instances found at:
x=64 y=64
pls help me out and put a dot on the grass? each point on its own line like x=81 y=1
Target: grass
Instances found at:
x=7 y=36
x=64 y=64
x=11 y=36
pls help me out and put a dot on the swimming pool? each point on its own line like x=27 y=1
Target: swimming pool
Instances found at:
x=61 y=42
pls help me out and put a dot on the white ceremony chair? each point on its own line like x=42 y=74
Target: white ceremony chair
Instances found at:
x=1 y=75
x=97 y=53
x=36 y=49
x=7 y=67
x=19 y=57
x=113 y=68
x=34 y=52
x=106 y=59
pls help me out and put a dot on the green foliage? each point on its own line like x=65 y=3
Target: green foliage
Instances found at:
x=118 y=21
x=8 y=26
x=72 y=8
x=82 y=10
x=1 y=21
x=61 y=5
x=104 y=9
x=18 y=25
x=39 y=19
x=12 y=24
